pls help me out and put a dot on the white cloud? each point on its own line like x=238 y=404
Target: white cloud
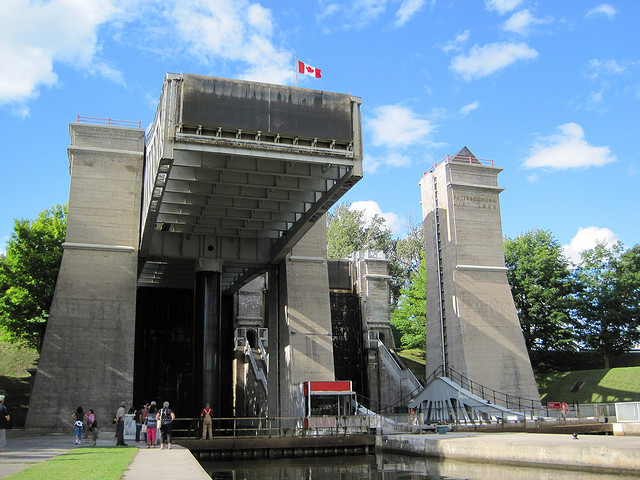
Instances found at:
x=37 y=35
x=352 y=15
x=397 y=126
x=522 y=22
x=502 y=6
x=456 y=44
x=587 y=238
x=371 y=164
x=596 y=100
x=483 y=61
x=469 y=108
x=232 y=30
x=567 y=149
x=605 y=68
x=371 y=208
x=604 y=9
x=407 y=10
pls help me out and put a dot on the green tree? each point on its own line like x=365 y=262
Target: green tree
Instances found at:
x=541 y=285
x=28 y=275
x=409 y=250
x=348 y=231
x=607 y=306
x=409 y=318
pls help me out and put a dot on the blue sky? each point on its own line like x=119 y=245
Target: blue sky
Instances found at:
x=550 y=90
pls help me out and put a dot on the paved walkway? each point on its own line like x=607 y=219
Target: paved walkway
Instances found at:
x=598 y=452
x=27 y=448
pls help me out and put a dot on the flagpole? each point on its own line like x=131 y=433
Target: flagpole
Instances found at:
x=295 y=68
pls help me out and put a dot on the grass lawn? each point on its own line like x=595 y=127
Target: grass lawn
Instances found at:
x=15 y=380
x=99 y=463
x=16 y=359
x=598 y=386
x=414 y=360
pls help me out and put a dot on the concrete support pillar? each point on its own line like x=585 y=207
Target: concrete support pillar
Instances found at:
x=472 y=323
x=88 y=350
x=301 y=340
x=208 y=332
x=272 y=319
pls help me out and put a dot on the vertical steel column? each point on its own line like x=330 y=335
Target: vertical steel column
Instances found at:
x=209 y=328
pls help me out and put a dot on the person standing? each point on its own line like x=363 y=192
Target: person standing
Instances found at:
x=120 y=425
x=143 y=421
x=137 y=416
x=152 y=424
x=4 y=422
x=78 y=415
x=207 y=421
x=92 y=424
x=166 y=417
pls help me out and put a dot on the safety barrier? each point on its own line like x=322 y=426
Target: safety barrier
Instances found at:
x=498 y=398
x=112 y=122
x=447 y=158
x=240 y=427
x=628 y=412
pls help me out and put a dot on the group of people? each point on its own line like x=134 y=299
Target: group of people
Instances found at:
x=92 y=424
x=148 y=420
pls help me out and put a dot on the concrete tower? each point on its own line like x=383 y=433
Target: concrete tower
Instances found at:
x=472 y=323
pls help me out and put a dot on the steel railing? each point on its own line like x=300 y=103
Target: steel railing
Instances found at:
x=489 y=394
x=447 y=158
x=239 y=427
x=112 y=122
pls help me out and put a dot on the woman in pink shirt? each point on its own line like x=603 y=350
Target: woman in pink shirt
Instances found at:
x=152 y=425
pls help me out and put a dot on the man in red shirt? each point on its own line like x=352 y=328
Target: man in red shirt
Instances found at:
x=206 y=416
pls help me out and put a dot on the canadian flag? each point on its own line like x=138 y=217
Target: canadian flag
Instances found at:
x=309 y=70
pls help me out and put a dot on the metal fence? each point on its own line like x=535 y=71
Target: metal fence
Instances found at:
x=411 y=422
x=280 y=426
x=464 y=417
x=628 y=412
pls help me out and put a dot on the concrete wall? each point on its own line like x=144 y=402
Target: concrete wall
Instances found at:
x=481 y=332
x=88 y=348
x=301 y=349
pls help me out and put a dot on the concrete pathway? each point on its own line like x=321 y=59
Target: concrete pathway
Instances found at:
x=26 y=448
x=598 y=452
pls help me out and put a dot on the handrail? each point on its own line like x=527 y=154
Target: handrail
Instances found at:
x=446 y=158
x=263 y=352
x=258 y=372
x=109 y=121
x=244 y=427
x=407 y=375
x=489 y=394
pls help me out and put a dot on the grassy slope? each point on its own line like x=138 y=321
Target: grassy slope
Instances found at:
x=15 y=380
x=16 y=360
x=414 y=360
x=606 y=386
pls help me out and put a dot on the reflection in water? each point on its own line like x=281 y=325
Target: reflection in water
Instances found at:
x=387 y=467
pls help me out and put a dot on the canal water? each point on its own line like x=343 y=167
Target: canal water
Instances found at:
x=387 y=467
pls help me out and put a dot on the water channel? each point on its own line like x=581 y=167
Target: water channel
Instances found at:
x=388 y=467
